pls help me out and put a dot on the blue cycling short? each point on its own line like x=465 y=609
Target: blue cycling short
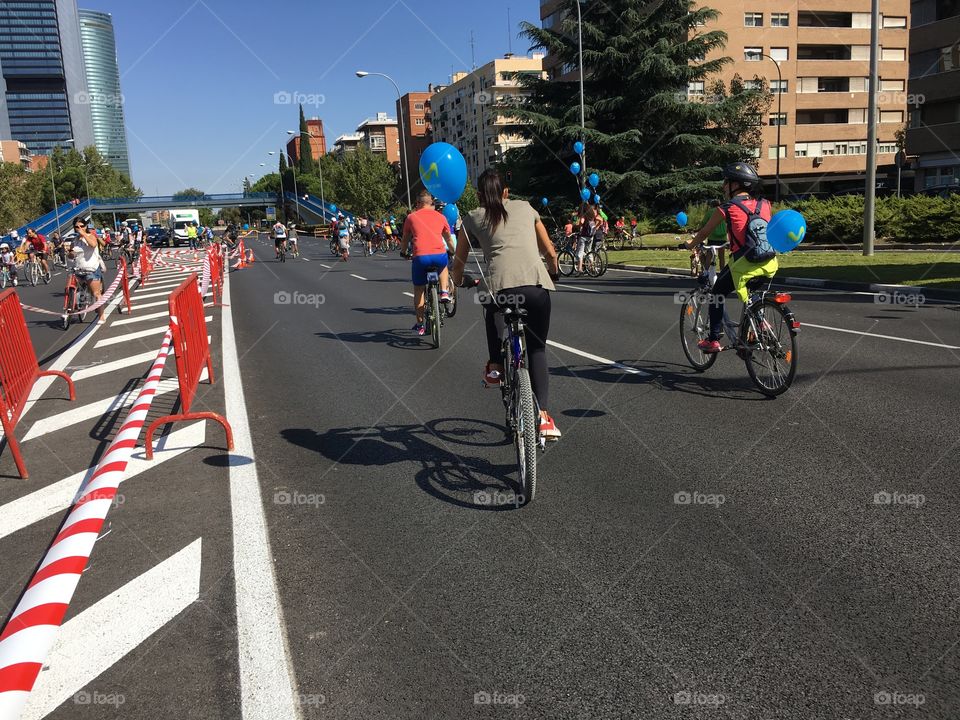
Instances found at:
x=422 y=264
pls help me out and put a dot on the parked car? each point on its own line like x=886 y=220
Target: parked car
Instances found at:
x=158 y=235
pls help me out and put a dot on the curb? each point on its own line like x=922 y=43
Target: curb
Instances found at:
x=908 y=290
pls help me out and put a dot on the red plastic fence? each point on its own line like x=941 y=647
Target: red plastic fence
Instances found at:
x=19 y=371
x=192 y=354
x=126 y=283
x=146 y=265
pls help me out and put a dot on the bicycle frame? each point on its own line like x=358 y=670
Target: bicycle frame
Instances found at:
x=515 y=358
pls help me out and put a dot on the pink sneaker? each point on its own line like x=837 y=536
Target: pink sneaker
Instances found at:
x=709 y=346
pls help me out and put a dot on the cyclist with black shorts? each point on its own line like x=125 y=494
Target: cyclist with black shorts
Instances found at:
x=279 y=237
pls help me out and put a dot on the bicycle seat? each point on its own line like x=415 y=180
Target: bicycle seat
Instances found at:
x=513 y=311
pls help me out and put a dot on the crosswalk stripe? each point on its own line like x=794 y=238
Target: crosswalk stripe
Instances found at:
x=139 y=318
x=93 y=410
x=135 y=335
x=59 y=496
x=146 y=296
x=102 y=635
x=142 y=358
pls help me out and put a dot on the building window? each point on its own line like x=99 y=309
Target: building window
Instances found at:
x=893 y=54
x=772 y=151
x=779 y=86
x=886 y=148
x=780 y=54
x=894 y=21
x=777 y=119
x=418 y=106
x=779 y=19
x=891 y=116
x=753 y=19
x=891 y=85
x=754 y=153
x=695 y=88
x=420 y=122
x=378 y=142
x=753 y=54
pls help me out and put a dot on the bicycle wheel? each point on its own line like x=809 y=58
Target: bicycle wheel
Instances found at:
x=694 y=327
x=526 y=432
x=69 y=306
x=770 y=347
x=591 y=264
x=3 y=279
x=434 y=313
x=568 y=263
x=33 y=273
x=603 y=260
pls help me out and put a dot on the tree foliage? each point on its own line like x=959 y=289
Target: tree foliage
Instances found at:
x=306 y=150
x=653 y=145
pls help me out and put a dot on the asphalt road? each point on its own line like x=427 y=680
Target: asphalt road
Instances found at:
x=694 y=550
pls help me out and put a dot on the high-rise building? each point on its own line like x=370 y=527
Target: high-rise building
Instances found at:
x=417 y=117
x=465 y=112
x=103 y=88
x=934 y=130
x=42 y=80
x=318 y=141
x=380 y=135
x=822 y=51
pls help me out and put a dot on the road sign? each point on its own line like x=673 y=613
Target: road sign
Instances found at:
x=271 y=213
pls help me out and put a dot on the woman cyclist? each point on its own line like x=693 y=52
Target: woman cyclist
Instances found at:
x=512 y=238
x=87 y=263
x=741 y=187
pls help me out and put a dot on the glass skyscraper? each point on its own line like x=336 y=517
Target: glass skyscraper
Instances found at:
x=103 y=85
x=43 y=86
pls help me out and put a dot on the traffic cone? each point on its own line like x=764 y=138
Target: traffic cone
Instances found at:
x=243 y=257
x=252 y=259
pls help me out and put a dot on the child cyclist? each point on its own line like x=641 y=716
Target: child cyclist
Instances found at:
x=741 y=209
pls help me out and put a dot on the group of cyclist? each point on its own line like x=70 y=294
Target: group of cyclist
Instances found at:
x=34 y=247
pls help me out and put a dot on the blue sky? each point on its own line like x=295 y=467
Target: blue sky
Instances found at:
x=199 y=77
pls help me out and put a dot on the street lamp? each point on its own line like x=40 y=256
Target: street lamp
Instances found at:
x=296 y=192
x=776 y=192
x=403 y=133
x=583 y=125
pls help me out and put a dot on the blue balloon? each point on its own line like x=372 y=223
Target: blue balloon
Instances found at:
x=786 y=230
x=575 y=168
x=333 y=208
x=596 y=199
x=594 y=179
x=246 y=226
x=585 y=194
x=443 y=171
x=682 y=219
x=544 y=202
x=451 y=213
x=578 y=147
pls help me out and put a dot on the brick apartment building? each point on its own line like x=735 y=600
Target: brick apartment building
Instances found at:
x=318 y=141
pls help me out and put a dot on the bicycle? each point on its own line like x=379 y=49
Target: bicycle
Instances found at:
x=519 y=403
x=282 y=251
x=76 y=297
x=294 y=249
x=5 y=277
x=433 y=316
x=335 y=246
x=765 y=338
x=596 y=261
x=33 y=270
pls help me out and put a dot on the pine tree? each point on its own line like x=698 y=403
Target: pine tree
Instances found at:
x=652 y=145
x=306 y=151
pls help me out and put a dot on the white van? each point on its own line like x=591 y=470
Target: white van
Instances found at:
x=178 y=224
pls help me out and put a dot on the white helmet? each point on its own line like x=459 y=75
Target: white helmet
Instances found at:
x=14 y=235
x=4 y=246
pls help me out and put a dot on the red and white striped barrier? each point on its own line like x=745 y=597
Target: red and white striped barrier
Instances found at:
x=31 y=631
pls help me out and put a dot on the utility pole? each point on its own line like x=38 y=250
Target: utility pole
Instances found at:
x=870 y=191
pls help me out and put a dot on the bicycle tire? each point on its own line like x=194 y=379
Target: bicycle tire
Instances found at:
x=773 y=381
x=434 y=316
x=695 y=326
x=33 y=273
x=591 y=264
x=567 y=262
x=603 y=261
x=69 y=307
x=526 y=434
x=3 y=279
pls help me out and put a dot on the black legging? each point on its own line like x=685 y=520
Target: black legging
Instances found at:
x=536 y=301
x=722 y=288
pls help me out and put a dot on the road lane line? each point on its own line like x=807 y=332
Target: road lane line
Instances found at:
x=408 y=294
x=140 y=318
x=267 y=685
x=358 y=277
x=104 y=368
x=96 y=639
x=574 y=287
x=883 y=337
x=597 y=358
x=59 y=496
x=328 y=267
x=137 y=335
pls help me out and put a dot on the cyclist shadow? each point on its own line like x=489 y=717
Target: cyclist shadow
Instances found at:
x=669 y=376
x=396 y=310
x=401 y=339
x=446 y=473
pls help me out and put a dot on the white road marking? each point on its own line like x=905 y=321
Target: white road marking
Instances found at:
x=103 y=369
x=141 y=306
x=358 y=277
x=328 y=267
x=140 y=318
x=409 y=294
x=882 y=337
x=136 y=335
x=164 y=285
x=574 y=287
x=267 y=685
x=92 y=410
x=147 y=296
x=99 y=637
x=59 y=496
x=597 y=358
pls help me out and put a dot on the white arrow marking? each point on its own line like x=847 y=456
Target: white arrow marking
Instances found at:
x=103 y=634
x=59 y=496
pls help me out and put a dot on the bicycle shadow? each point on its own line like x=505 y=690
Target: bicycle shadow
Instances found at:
x=396 y=310
x=400 y=339
x=466 y=481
